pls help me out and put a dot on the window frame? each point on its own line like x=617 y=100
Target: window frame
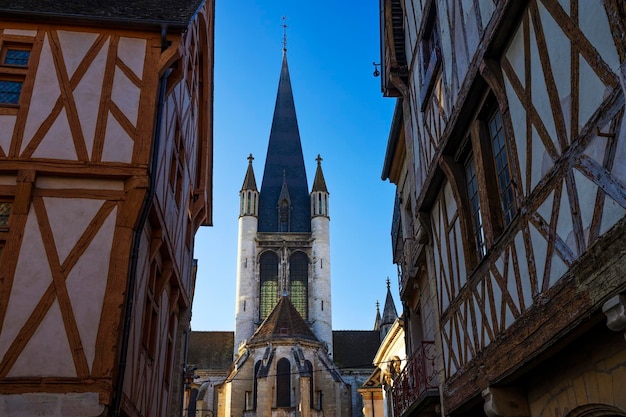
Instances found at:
x=430 y=53
x=14 y=72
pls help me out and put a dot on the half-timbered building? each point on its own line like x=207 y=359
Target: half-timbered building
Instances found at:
x=105 y=175
x=507 y=149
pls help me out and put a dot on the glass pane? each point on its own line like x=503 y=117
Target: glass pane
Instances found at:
x=18 y=57
x=10 y=91
x=472 y=192
x=5 y=211
x=502 y=166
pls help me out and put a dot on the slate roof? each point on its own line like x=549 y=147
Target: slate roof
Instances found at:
x=355 y=348
x=282 y=323
x=176 y=13
x=249 y=182
x=319 y=183
x=284 y=156
x=211 y=350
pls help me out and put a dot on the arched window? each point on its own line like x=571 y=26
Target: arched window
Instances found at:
x=309 y=368
x=283 y=383
x=283 y=216
x=269 y=283
x=257 y=365
x=299 y=283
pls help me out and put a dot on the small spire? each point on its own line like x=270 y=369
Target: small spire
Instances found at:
x=319 y=183
x=388 y=284
x=249 y=182
x=284 y=26
x=377 y=321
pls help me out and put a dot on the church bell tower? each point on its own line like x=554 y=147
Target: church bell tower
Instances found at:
x=284 y=241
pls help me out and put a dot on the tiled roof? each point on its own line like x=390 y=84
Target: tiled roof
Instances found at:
x=282 y=323
x=211 y=350
x=173 y=12
x=355 y=348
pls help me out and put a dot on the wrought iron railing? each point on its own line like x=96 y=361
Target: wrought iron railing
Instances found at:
x=416 y=379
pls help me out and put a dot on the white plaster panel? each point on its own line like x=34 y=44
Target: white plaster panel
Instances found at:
x=69 y=218
x=7 y=124
x=592 y=90
x=540 y=249
x=518 y=120
x=132 y=52
x=515 y=55
x=47 y=353
x=597 y=148
x=619 y=170
x=84 y=404
x=565 y=227
x=87 y=96
x=32 y=278
x=125 y=95
x=558 y=46
x=565 y=4
x=508 y=316
x=482 y=290
x=486 y=11
x=511 y=282
x=19 y=32
x=86 y=285
x=594 y=23
x=522 y=260
x=542 y=161
x=46 y=89
x=545 y=209
x=118 y=146
x=497 y=302
x=462 y=60
x=557 y=269
x=60 y=183
x=499 y=264
x=58 y=142
x=472 y=33
x=587 y=191
x=75 y=46
x=478 y=319
x=612 y=213
x=539 y=91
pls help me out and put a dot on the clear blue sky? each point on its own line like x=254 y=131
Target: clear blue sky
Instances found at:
x=341 y=115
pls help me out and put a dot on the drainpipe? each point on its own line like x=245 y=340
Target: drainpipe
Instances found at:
x=372 y=399
x=143 y=216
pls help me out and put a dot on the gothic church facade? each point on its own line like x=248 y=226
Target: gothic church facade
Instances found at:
x=283 y=340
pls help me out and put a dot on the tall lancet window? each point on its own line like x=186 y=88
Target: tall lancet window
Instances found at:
x=299 y=283
x=283 y=383
x=283 y=216
x=269 y=283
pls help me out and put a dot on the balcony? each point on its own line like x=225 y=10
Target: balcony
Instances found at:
x=417 y=382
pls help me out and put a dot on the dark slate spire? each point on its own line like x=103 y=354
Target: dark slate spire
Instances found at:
x=389 y=311
x=249 y=182
x=319 y=183
x=284 y=154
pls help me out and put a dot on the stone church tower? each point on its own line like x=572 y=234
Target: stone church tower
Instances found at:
x=284 y=246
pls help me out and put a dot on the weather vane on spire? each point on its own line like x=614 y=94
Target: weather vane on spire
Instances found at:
x=284 y=26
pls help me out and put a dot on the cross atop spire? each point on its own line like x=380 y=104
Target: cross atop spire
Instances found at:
x=284 y=26
x=250 y=158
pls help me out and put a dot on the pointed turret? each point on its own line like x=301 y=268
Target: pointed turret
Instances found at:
x=319 y=193
x=284 y=155
x=389 y=313
x=249 y=195
x=377 y=321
